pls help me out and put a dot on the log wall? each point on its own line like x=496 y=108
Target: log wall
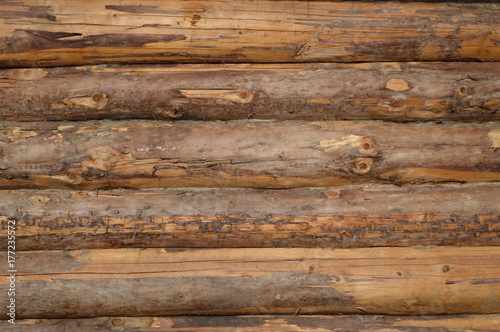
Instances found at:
x=251 y=161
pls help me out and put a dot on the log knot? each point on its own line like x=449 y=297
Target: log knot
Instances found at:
x=463 y=91
x=103 y=158
x=39 y=200
x=363 y=144
x=96 y=100
x=362 y=165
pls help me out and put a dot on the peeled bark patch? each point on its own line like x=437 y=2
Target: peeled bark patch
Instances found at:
x=397 y=84
x=495 y=137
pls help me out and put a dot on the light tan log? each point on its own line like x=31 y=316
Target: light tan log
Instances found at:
x=466 y=215
x=37 y=33
x=145 y=282
x=261 y=323
x=387 y=91
x=137 y=154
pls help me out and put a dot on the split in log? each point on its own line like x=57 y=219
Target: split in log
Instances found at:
x=250 y=154
x=262 y=323
x=385 y=91
x=146 y=282
x=466 y=215
x=37 y=33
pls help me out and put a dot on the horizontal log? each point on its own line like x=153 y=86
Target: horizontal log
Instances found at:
x=261 y=323
x=138 y=154
x=35 y=33
x=145 y=282
x=466 y=215
x=386 y=91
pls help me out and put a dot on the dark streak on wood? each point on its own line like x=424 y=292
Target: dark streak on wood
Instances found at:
x=43 y=12
x=20 y=40
x=133 y=9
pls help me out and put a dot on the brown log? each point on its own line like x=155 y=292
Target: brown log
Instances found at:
x=466 y=215
x=37 y=33
x=261 y=323
x=145 y=282
x=386 y=91
x=137 y=154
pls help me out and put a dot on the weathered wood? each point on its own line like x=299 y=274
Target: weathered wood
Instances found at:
x=466 y=215
x=145 y=282
x=261 y=323
x=387 y=91
x=38 y=33
x=137 y=154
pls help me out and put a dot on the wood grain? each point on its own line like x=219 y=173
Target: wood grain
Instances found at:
x=146 y=282
x=244 y=154
x=262 y=323
x=386 y=91
x=37 y=33
x=345 y=217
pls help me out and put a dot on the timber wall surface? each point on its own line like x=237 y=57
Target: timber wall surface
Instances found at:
x=249 y=165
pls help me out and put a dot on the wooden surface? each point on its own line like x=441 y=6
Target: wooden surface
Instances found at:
x=262 y=323
x=386 y=91
x=465 y=215
x=142 y=282
x=138 y=154
x=37 y=33
x=404 y=191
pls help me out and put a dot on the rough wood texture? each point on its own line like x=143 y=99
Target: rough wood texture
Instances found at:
x=465 y=215
x=387 y=91
x=145 y=282
x=38 y=33
x=137 y=154
x=262 y=323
